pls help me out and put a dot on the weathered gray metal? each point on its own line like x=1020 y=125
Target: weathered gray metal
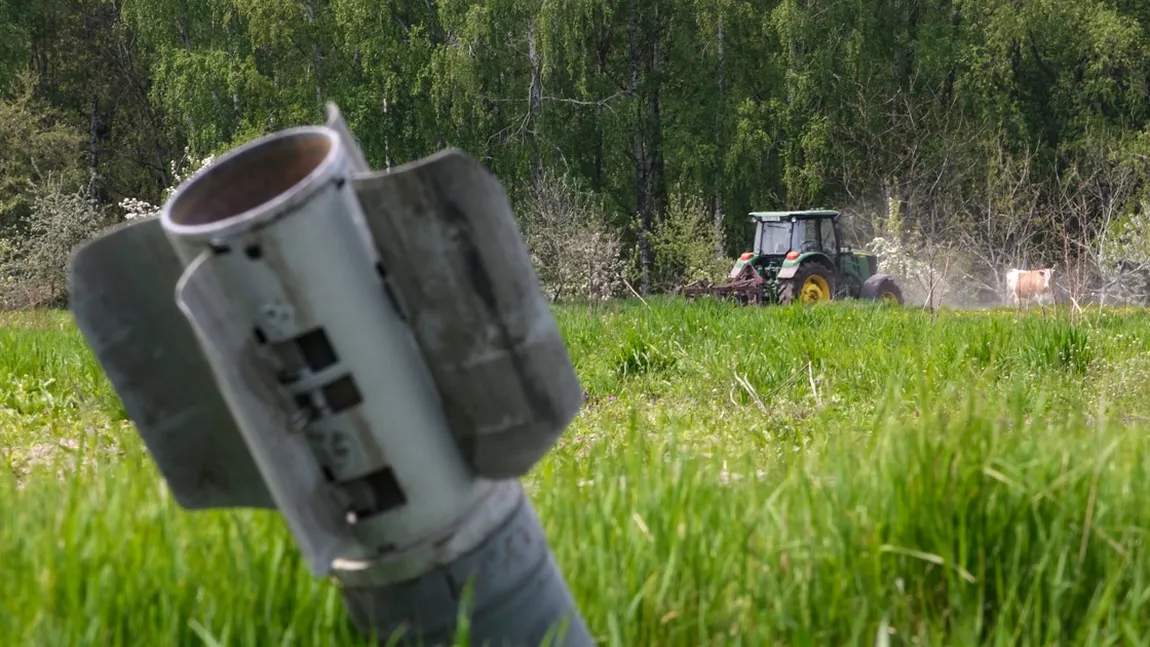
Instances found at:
x=518 y=590
x=309 y=503
x=454 y=258
x=452 y=253
x=123 y=286
x=368 y=352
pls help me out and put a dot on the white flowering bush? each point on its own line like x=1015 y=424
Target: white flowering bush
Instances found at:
x=575 y=252
x=135 y=208
x=33 y=267
x=592 y=269
x=919 y=280
x=186 y=168
x=7 y=273
x=1124 y=258
x=895 y=258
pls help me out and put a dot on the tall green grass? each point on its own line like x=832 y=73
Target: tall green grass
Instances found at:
x=843 y=474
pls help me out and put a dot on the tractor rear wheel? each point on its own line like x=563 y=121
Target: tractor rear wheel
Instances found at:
x=813 y=283
x=881 y=288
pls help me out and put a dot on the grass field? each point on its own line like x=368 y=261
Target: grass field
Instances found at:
x=835 y=475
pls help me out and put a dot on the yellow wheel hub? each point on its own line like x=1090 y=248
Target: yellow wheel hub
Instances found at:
x=814 y=289
x=889 y=297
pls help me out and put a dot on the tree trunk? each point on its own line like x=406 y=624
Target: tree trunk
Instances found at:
x=236 y=114
x=386 y=137
x=93 y=148
x=603 y=52
x=534 y=106
x=657 y=185
x=717 y=215
x=316 y=54
x=183 y=31
x=639 y=154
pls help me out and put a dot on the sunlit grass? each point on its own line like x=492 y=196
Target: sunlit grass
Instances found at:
x=739 y=476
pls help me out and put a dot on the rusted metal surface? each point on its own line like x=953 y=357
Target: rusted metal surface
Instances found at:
x=273 y=171
x=746 y=286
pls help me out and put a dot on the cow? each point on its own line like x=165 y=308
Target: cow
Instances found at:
x=1029 y=284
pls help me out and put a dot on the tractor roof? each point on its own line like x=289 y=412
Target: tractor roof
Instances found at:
x=784 y=215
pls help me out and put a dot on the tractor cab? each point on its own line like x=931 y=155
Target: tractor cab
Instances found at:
x=778 y=233
x=781 y=237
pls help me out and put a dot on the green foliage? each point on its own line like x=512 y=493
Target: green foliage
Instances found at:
x=737 y=476
x=33 y=142
x=685 y=243
x=14 y=37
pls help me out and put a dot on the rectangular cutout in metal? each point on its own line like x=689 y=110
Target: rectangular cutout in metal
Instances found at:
x=316 y=349
x=311 y=351
x=305 y=403
x=379 y=492
x=292 y=365
x=341 y=394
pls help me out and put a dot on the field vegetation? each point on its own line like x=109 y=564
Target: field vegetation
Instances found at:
x=839 y=474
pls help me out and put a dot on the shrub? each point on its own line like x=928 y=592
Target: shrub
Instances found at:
x=574 y=250
x=34 y=267
x=684 y=244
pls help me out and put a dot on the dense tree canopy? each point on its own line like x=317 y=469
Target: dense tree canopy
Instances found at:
x=972 y=115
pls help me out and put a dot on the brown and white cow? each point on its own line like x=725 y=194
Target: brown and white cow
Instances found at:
x=1029 y=284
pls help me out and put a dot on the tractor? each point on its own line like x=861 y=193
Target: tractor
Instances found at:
x=798 y=257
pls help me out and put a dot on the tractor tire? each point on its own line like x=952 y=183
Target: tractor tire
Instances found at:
x=881 y=287
x=813 y=283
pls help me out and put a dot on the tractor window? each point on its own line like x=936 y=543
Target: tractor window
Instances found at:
x=806 y=236
x=830 y=241
x=774 y=237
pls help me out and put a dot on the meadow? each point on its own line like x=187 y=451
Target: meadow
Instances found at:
x=830 y=475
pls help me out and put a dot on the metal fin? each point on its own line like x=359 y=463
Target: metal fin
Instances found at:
x=451 y=250
x=123 y=299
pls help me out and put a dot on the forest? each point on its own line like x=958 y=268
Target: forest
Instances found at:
x=958 y=137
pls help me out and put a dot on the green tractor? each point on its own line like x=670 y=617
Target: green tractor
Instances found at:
x=798 y=257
